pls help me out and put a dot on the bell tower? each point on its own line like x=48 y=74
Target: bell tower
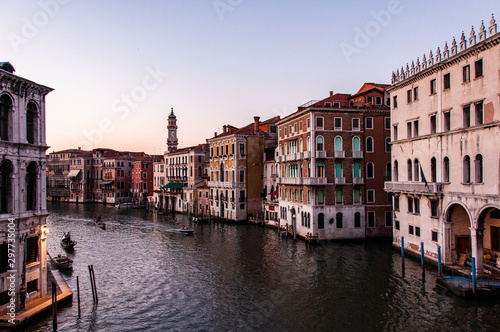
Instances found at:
x=172 y=132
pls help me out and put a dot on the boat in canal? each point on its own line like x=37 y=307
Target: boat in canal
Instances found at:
x=99 y=223
x=463 y=287
x=63 y=262
x=67 y=243
x=186 y=231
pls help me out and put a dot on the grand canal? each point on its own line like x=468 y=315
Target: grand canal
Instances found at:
x=242 y=277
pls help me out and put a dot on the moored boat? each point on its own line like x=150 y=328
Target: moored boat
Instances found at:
x=63 y=262
x=186 y=231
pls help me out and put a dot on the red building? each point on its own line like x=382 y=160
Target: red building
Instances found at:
x=142 y=178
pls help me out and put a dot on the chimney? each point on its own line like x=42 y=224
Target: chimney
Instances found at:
x=331 y=93
x=255 y=124
x=79 y=148
x=224 y=128
x=215 y=134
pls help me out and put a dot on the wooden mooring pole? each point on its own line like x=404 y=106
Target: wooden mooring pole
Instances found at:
x=78 y=294
x=93 y=284
x=54 y=306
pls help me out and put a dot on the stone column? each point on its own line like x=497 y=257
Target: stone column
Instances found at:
x=477 y=248
x=446 y=242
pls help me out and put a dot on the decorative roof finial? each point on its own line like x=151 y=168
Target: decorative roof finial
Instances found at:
x=493 y=26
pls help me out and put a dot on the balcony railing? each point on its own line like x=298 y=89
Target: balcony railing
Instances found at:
x=314 y=181
x=414 y=187
x=307 y=154
x=340 y=180
x=218 y=184
x=320 y=154
x=292 y=181
x=357 y=154
x=339 y=154
x=357 y=180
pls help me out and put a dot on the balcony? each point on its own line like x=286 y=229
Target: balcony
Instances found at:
x=339 y=154
x=291 y=181
x=340 y=180
x=314 y=181
x=357 y=154
x=307 y=154
x=228 y=185
x=281 y=159
x=357 y=180
x=320 y=154
x=414 y=187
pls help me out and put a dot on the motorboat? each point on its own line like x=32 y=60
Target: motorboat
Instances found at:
x=186 y=231
x=99 y=223
x=63 y=262
x=67 y=243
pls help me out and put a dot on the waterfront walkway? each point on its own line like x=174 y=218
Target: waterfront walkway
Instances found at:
x=44 y=304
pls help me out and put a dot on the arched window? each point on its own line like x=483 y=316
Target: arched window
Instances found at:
x=433 y=170
x=338 y=143
x=370 y=171
x=319 y=170
x=30 y=123
x=280 y=151
x=410 y=173
x=319 y=143
x=321 y=221
x=356 y=170
x=321 y=197
x=388 y=144
x=396 y=170
x=5 y=186
x=416 y=170
x=31 y=174
x=301 y=145
x=446 y=169
x=338 y=170
x=286 y=148
x=466 y=169
x=340 y=221
x=5 y=107
x=357 y=220
x=478 y=168
x=308 y=143
x=369 y=144
x=221 y=169
x=355 y=144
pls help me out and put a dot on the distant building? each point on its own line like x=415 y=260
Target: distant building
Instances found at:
x=333 y=158
x=237 y=168
x=23 y=210
x=446 y=163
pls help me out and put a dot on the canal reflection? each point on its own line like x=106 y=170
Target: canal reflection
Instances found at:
x=242 y=277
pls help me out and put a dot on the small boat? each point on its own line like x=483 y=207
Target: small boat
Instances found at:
x=99 y=223
x=186 y=231
x=63 y=262
x=67 y=243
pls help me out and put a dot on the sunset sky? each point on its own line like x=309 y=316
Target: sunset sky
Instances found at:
x=117 y=67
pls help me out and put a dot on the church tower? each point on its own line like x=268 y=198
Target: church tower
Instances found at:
x=172 y=132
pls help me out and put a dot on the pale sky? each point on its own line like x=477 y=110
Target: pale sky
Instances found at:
x=117 y=67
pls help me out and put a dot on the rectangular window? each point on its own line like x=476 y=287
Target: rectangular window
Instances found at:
x=319 y=123
x=371 y=219
x=447 y=121
x=411 y=229
x=433 y=87
x=479 y=68
x=357 y=196
x=446 y=81
x=434 y=208
x=397 y=224
x=300 y=125
x=369 y=123
x=338 y=123
x=396 y=203
x=308 y=122
x=369 y=99
x=395 y=132
x=387 y=122
x=395 y=101
x=466 y=116
x=378 y=100
x=415 y=93
x=415 y=128
x=408 y=96
x=417 y=231
x=388 y=218
x=370 y=196
x=416 y=201
x=410 y=204
x=466 y=74
x=434 y=236
x=321 y=197
x=433 y=123
x=478 y=114
x=242 y=176
x=408 y=129
x=355 y=124
x=32 y=252
x=339 y=197
x=242 y=149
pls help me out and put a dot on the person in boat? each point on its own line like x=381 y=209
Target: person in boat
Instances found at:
x=67 y=237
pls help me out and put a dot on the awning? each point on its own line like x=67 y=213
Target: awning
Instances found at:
x=274 y=193
x=106 y=182
x=73 y=173
x=173 y=186
x=183 y=168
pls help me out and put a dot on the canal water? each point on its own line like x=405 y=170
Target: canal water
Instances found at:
x=243 y=278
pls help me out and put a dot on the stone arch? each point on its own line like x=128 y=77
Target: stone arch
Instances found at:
x=457 y=234
x=488 y=227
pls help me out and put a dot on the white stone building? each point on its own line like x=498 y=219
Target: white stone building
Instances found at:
x=445 y=116
x=23 y=210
